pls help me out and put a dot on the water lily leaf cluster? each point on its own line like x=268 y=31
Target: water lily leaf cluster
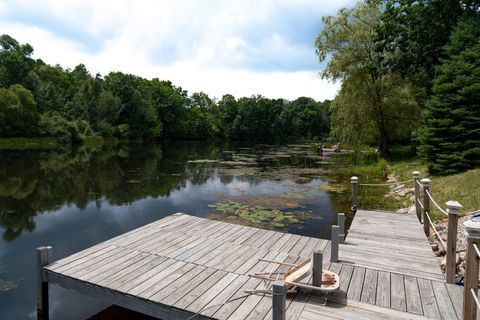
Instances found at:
x=257 y=214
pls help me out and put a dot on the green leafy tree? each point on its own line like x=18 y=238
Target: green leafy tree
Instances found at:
x=136 y=111
x=53 y=124
x=202 y=116
x=18 y=112
x=169 y=103
x=382 y=99
x=451 y=137
x=15 y=61
x=413 y=33
x=227 y=107
x=53 y=89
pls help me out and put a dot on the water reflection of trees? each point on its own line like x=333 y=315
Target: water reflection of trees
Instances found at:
x=36 y=181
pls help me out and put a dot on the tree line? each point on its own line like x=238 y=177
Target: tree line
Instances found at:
x=410 y=72
x=38 y=99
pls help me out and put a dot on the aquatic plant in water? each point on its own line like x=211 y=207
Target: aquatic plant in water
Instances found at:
x=258 y=214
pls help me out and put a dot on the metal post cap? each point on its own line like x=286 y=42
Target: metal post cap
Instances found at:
x=354 y=179
x=416 y=174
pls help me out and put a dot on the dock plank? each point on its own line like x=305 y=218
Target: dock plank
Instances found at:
x=429 y=303
x=445 y=306
x=398 y=298
x=383 y=289
x=183 y=265
x=412 y=293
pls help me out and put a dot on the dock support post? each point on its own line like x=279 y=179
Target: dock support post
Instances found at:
x=426 y=206
x=471 y=272
x=341 y=226
x=453 y=210
x=44 y=255
x=354 y=181
x=416 y=177
x=334 y=245
x=317 y=266
x=279 y=297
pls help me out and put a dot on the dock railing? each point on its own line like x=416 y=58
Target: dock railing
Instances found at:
x=423 y=200
x=470 y=290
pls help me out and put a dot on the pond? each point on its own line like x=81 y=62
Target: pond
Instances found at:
x=73 y=198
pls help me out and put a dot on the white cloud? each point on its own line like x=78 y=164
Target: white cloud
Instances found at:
x=242 y=47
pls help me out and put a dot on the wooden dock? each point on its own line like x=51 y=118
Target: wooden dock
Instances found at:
x=183 y=265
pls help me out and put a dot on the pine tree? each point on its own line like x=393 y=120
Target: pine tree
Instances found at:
x=451 y=137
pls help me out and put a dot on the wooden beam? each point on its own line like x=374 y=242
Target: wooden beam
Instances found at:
x=131 y=302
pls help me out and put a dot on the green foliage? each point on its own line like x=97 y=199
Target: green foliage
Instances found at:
x=18 y=112
x=28 y=143
x=15 y=61
x=412 y=34
x=73 y=105
x=52 y=124
x=373 y=105
x=257 y=214
x=451 y=137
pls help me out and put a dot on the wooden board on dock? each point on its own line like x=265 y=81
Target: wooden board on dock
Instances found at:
x=392 y=242
x=182 y=265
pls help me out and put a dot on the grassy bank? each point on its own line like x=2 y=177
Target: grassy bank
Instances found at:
x=463 y=187
x=28 y=143
x=47 y=142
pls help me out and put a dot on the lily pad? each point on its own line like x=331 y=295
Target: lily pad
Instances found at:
x=249 y=214
x=333 y=188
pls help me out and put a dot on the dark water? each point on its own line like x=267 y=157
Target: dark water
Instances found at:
x=74 y=198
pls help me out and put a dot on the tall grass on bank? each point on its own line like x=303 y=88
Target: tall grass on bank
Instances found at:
x=369 y=168
x=51 y=143
x=28 y=143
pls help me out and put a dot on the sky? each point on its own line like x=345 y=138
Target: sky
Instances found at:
x=240 y=47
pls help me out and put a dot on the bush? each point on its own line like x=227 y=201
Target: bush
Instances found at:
x=52 y=124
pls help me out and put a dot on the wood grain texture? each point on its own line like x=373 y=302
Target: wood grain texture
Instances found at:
x=181 y=265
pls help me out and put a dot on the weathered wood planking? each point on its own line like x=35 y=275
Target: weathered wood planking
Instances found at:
x=182 y=265
x=391 y=242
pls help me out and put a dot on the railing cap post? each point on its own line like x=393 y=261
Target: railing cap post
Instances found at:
x=426 y=182
x=453 y=207
x=354 y=179
x=472 y=228
x=416 y=174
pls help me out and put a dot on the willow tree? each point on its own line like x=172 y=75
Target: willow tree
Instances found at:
x=373 y=105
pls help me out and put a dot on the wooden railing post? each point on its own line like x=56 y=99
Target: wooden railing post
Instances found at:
x=416 y=177
x=44 y=255
x=334 y=245
x=317 y=266
x=341 y=226
x=279 y=297
x=453 y=210
x=354 y=181
x=471 y=271
x=426 y=206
